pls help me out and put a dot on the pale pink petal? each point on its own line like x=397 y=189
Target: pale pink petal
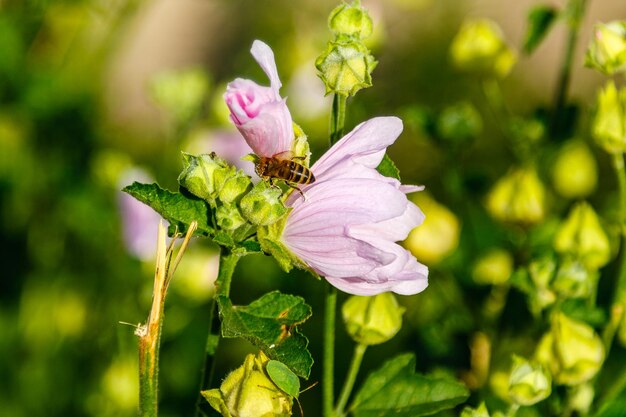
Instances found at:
x=265 y=57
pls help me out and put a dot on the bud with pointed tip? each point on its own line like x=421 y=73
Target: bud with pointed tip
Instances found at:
x=582 y=237
x=518 y=197
x=249 y=392
x=609 y=125
x=607 y=50
x=205 y=175
x=345 y=67
x=350 y=20
x=263 y=205
x=529 y=382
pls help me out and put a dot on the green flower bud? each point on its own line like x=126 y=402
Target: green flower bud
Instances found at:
x=372 y=320
x=229 y=217
x=249 y=392
x=263 y=205
x=181 y=93
x=582 y=237
x=345 y=67
x=607 y=50
x=518 y=197
x=350 y=20
x=529 y=382
x=581 y=397
x=479 y=47
x=609 y=124
x=205 y=175
x=541 y=272
x=235 y=187
x=572 y=351
x=575 y=171
x=495 y=267
x=459 y=123
x=438 y=236
x=573 y=280
x=480 y=411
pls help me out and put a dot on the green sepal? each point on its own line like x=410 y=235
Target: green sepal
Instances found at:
x=216 y=399
x=388 y=168
x=271 y=243
x=270 y=324
x=177 y=208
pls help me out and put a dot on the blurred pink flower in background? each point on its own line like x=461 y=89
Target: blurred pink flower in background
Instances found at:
x=346 y=224
x=139 y=221
x=259 y=113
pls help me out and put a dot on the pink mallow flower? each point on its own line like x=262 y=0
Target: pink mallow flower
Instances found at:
x=259 y=113
x=346 y=224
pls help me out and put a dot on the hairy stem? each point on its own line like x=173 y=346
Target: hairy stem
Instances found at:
x=329 y=351
x=337 y=118
x=150 y=333
x=355 y=365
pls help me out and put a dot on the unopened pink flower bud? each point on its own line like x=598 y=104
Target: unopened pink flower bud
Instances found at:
x=259 y=113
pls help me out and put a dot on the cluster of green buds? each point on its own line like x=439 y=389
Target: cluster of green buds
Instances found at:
x=249 y=391
x=571 y=350
x=607 y=50
x=239 y=206
x=372 y=320
x=480 y=48
x=347 y=64
x=518 y=197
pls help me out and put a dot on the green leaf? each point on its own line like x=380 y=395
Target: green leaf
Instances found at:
x=178 y=209
x=269 y=323
x=540 y=20
x=396 y=390
x=388 y=168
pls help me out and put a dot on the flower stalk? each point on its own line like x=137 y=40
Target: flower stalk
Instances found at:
x=355 y=365
x=150 y=333
x=337 y=118
x=328 y=375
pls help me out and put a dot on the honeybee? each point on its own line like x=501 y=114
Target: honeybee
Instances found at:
x=283 y=166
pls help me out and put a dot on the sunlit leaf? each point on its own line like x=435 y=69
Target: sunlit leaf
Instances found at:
x=270 y=324
x=178 y=209
x=396 y=390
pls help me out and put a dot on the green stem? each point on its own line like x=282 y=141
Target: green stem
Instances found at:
x=620 y=172
x=329 y=351
x=337 y=118
x=576 y=10
x=355 y=365
x=228 y=262
x=615 y=389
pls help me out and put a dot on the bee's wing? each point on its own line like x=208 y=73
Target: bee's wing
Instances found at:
x=284 y=156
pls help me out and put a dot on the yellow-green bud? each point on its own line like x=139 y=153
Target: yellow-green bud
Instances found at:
x=518 y=197
x=495 y=267
x=249 y=392
x=581 y=397
x=438 y=236
x=541 y=272
x=609 y=125
x=575 y=171
x=350 y=20
x=229 y=217
x=345 y=67
x=372 y=320
x=235 y=187
x=582 y=237
x=480 y=411
x=607 y=50
x=479 y=47
x=263 y=205
x=573 y=280
x=181 y=93
x=204 y=175
x=572 y=351
x=529 y=382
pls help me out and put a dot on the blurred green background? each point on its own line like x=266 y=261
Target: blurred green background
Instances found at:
x=86 y=108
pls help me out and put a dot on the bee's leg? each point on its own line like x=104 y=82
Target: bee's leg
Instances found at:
x=298 y=189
